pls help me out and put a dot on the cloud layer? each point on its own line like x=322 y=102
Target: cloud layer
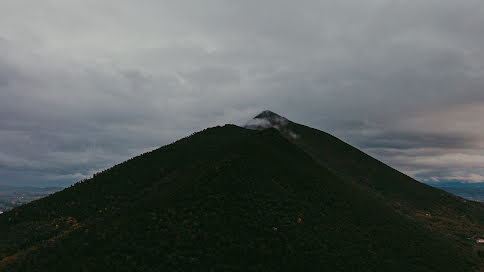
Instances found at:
x=84 y=85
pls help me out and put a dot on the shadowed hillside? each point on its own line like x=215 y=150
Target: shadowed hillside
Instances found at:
x=235 y=199
x=445 y=212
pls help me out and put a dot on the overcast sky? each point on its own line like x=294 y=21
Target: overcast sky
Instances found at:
x=87 y=84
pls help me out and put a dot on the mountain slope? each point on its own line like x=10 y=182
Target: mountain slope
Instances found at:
x=437 y=209
x=226 y=198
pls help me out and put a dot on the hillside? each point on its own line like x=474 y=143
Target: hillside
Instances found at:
x=445 y=212
x=236 y=199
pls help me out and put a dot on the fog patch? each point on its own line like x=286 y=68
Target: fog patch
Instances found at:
x=268 y=119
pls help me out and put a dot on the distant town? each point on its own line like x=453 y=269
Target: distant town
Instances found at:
x=11 y=197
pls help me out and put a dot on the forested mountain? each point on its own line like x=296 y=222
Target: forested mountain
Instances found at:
x=273 y=196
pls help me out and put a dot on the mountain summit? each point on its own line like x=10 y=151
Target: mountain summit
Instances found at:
x=269 y=119
x=236 y=199
x=269 y=115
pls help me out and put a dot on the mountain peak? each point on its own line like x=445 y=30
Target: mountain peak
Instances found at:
x=267 y=114
x=267 y=119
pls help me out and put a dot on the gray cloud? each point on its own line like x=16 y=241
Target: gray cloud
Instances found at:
x=84 y=86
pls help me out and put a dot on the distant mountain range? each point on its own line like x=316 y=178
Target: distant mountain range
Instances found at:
x=272 y=196
x=471 y=191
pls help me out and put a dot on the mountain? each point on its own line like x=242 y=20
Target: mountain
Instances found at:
x=274 y=196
